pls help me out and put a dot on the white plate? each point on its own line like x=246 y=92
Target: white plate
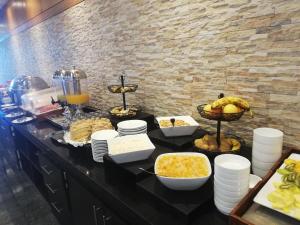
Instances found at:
x=104 y=135
x=125 y=133
x=13 y=115
x=7 y=105
x=132 y=131
x=261 y=197
x=132 y=124
x=22 y=120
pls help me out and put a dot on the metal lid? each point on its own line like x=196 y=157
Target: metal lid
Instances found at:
x=75 y=74
x=31 y=83
x=59 y=74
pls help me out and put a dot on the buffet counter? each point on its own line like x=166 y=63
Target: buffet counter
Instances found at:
x=90 y=185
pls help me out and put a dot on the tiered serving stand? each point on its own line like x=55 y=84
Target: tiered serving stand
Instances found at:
x=219 y=117
x=123 y=89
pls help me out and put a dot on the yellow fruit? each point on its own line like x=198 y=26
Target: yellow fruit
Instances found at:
x=230 y=108
x=208 y=108
x=231 y=100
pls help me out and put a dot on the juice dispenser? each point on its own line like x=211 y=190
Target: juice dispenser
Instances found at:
x=62 y=89
x=78 y=89
x=61 y=86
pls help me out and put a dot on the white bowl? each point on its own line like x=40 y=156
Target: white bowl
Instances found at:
x=222 y=208
x=230 y=182
x=227 y=199
x=231 y=176
x=179 y=131
x=267 y=135
x=267 y=148
x=230 y=194
x=268 y=158
x=130 y=148
x=259 y=172
x=225 y=203
x=233 y=165
x=261 y=165
x=232 y=188
x=254 y=180
x=183 y=183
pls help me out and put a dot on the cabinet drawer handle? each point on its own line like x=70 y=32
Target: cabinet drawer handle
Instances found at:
x=95 y=210
x=48 y=172
x=105 y=219
x=53 y=191
x=53 y=204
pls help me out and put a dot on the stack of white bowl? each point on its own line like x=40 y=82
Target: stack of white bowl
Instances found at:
x=231 y=181
x=99 y=143
x=266 y=149
x=132 y=127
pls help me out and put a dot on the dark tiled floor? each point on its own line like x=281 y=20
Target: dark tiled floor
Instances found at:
x=20 y=201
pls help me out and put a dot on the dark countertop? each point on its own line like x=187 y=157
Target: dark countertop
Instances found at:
x=120 y=195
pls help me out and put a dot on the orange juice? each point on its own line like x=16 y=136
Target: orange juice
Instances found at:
x=78 y=99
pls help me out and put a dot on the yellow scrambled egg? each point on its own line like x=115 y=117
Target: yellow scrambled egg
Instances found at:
x=182 y=166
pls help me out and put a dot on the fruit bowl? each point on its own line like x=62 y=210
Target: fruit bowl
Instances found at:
x=215 y=115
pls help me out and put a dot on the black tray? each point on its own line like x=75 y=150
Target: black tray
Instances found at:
x=184 y=203
x=176 y=142
x=131 y=170
x=127 y=171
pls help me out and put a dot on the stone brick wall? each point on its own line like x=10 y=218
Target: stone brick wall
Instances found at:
x=181 y=53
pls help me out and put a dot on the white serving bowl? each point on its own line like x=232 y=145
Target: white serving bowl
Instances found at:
x=267 y=135
x=267 y=148
x=179 y=131
x=183 y=183
x=129 y=151
x=261 y=165
x=232 y=165
x=230 y=194
x=259 y=172
x=237 y=182
x=268 y=158
x=232 y=188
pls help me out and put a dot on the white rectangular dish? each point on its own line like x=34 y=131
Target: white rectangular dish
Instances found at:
x=130 y=148
x=178 y=130
x=261 y=197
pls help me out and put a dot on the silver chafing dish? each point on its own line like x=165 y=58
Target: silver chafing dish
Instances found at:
x=24 y=85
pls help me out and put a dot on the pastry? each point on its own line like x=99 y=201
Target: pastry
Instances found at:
x=177 y=123
x=81 y=130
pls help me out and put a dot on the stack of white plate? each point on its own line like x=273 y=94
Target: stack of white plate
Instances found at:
x=132 y=127
x=99 y=143
x=266 y=149
x=231 y=181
